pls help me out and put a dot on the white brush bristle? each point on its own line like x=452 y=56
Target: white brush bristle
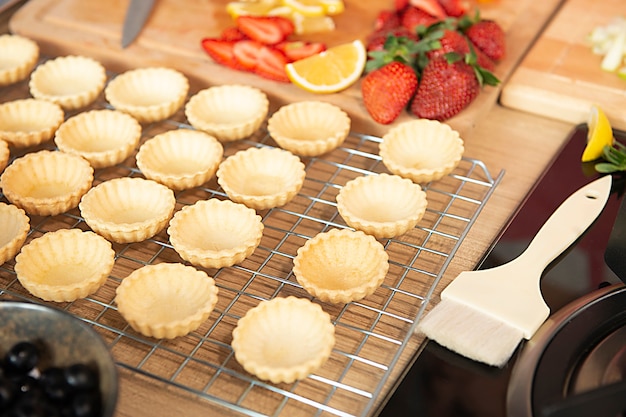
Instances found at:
x=471 y=333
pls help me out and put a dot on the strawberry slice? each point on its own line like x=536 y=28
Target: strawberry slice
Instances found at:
x=432 y=7
x=221 y=51
x=268 y=30
x=296 y=50
x=232 y=34
x=246 y=52
x=454 y=8
x=271 y=64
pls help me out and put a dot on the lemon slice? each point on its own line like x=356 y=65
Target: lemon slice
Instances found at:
x=330 y=71
x=305 y=25
x=333 y=7
x=250 y=8
x=600 y=134
x=311 y=8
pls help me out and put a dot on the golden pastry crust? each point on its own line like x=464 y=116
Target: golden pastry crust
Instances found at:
x=18 y=57
x=421 y=150
x=64 y=265
x=181 y=158
x=262 y=178
x=46 y=183
x=215 y=233
x=126 y=210
x=309 y=128
x=5 y=154
x=229 y=112
x=166 y=300
x=284 y=339
x=29 y=122
x=103 y=137
x=14 y=228
x=148 y=94
x=72 y=82
x=341 y=265
x=382 y=205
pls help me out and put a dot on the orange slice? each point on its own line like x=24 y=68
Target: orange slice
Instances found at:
x=330 y=71
x=600 y=134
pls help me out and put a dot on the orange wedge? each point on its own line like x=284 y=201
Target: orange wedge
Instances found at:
x=600 y=134
x=330 y=71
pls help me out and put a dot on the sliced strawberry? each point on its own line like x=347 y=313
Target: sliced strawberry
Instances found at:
x=221 y=51
x=296 y=50
x=454 y=8
x=268 y=30
x=414 y=16
x=232 y=34
x=271 y=64
x=401 y=4
x=432 y=7
x=246 y=52
x=286 y=25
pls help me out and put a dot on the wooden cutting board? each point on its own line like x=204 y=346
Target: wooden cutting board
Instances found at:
x=174 y=30
x=560 y=77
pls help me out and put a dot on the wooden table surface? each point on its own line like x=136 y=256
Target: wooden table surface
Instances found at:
x=517 y=143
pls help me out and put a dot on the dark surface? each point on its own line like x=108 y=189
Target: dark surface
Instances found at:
x=441 y=383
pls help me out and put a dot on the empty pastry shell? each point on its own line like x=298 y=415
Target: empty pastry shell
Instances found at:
x=148 y=94
x=181 y=158
x=64 y=265
x=261 y=178
x=72 y=82
x=103 y=137
x=382 y=205
x=228 y=112
x=126 y=210
x=29 y=122
x=309 y=128
x=422 y=150
x=46 y=183
x=284 y=339
x=341 y=265
x=14 y=227
x=215 y=233
x=166 y=300
x=5 y=154
x=18 y=57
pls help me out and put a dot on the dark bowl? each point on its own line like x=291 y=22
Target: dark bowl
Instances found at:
x=66 y=340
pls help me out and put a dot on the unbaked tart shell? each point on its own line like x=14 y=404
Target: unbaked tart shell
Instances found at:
x=65 y=265
x=383 y=205
x=18 y=57
x=283 y=339
x=341 y=265
x=166 y=300
x=126 y=210
x=29 y=122
x=262 y=178
x=46 y=183
x=180 y=158
x=421 y=150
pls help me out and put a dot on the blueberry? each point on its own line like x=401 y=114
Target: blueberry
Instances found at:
x=22 y=357
x=81 y=376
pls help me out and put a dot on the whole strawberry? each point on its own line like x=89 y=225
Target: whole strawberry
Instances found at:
x=489 y=37
x=388 y=90
x=449 y=83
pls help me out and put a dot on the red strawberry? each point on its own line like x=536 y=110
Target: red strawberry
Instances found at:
x=453 y=41
x=489 y=37
x=270 y=64
x=412 y=17
x=445 y=89
x=454 y=8
x=246 y=52
x=221 y=51
x=386 y=19
x=376 y=41
x=432 y=7
x=232 y=34
x=296 y=50
x=268 y=30
x=400 y=5
x=387 y=91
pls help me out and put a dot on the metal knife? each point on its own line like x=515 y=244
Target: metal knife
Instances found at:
x=136 y=16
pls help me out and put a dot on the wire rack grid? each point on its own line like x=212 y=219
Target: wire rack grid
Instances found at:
x=371 y=334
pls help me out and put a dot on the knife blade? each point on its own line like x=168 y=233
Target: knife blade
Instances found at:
x=136 y=16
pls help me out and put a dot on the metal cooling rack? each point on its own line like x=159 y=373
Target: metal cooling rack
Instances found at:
x=371 y=334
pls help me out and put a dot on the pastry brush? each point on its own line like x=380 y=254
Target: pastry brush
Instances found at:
x=484 y=314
